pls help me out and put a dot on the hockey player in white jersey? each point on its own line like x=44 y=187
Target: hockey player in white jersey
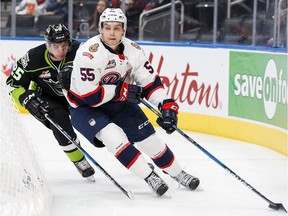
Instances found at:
x=109 y=73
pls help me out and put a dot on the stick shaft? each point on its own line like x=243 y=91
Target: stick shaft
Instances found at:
x=127 y=193
x=208 y=153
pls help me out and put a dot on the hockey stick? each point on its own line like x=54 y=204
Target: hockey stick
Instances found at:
x=128 y=193
x=275 y=206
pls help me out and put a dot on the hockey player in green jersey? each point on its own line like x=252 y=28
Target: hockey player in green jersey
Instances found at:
x=35 y=86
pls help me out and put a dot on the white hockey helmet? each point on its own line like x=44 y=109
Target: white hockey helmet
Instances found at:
x=113 y=15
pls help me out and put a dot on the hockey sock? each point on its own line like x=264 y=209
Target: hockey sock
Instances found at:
x=161 y=154
x=123 y=150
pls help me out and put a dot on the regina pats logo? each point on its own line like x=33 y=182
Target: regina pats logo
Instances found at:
x=258 y=87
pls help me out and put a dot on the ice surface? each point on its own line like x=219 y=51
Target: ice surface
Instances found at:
x=219 y=193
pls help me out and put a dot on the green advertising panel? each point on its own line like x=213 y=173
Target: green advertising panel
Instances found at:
x=258 y=87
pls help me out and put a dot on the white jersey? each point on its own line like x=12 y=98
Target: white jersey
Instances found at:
x=96 y=70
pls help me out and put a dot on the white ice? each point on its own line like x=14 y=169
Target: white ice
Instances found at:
x=219 y=194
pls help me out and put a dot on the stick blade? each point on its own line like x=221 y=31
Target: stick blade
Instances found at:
x=129 y=194
x=277 y=206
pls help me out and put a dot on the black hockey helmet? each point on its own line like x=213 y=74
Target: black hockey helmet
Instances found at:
x=57 y=33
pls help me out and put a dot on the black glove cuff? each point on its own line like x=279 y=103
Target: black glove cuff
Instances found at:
x=169 y=114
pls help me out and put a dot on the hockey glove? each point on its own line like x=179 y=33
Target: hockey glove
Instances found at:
x=127 y=92
x=169 y=109
x=64 y=76
x=32 y=101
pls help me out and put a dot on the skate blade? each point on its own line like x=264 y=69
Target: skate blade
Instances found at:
x=130 y=194
x=90 y=178
x=166 y=195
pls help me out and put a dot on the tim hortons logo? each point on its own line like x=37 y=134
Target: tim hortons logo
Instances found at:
x=188 y=89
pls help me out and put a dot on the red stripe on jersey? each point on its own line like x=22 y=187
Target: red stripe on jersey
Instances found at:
x=76 y=95
x=159 y=87
x=92 y=92
x=92 y=98
x=72 y=101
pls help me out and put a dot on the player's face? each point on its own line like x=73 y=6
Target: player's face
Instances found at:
x=58 y=51
x=112 y=33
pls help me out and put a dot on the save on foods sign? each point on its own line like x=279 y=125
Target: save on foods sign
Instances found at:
x=258 y=87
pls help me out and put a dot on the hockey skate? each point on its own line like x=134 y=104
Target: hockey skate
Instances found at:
x=187 y=180
x=157 y=185
x=85 y=169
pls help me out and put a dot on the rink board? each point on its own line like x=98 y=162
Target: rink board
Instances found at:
x=231 y=92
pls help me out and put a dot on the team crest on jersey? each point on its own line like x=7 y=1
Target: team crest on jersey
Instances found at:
x=94 y=47
x=55 y=86
x=45 y=74
x=25 y=60
x=136 y=45
x=89 y=55
x=111 y=64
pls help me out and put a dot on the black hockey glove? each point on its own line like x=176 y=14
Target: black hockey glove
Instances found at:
x=32 y=101
x=64 y=76
x=127 y=92
x=169 y=109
